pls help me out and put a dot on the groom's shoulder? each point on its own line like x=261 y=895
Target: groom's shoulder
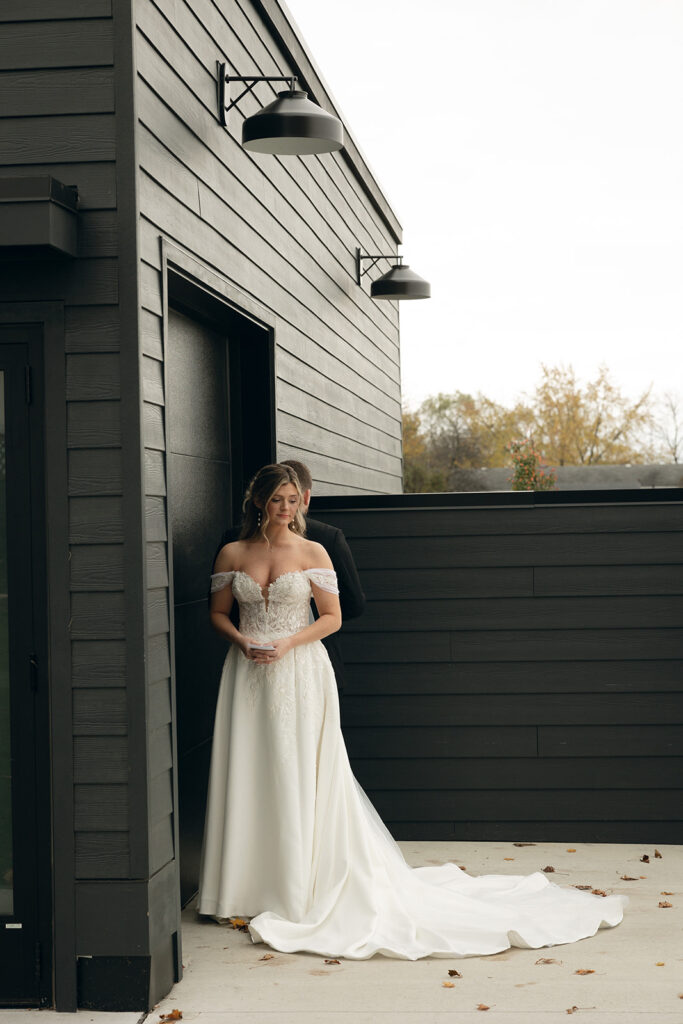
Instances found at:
x=321 y=532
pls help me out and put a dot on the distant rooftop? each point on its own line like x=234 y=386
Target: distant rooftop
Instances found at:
x=577 y=478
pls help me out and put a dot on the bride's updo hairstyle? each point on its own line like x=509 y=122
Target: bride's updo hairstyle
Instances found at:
x=267 y=481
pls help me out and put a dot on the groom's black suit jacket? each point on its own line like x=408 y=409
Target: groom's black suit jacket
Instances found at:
x=351 y=596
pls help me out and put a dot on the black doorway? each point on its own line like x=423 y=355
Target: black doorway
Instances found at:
x=219 y=373
x=25 y=903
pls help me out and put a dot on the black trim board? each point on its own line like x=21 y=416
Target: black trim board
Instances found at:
x=132 y=454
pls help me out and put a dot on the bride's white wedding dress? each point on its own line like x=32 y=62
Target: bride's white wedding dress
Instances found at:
x=292 y=841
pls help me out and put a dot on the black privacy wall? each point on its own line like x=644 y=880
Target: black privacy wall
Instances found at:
x=518 y=673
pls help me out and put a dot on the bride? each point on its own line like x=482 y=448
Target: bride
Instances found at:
x=291 y=840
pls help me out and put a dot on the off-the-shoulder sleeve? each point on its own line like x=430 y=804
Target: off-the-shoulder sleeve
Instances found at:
x=326 y=579
x=221 y=580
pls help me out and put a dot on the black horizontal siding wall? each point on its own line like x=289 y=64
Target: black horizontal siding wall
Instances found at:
x=518 y=673
x=281 y=233
x=67 y=87
x=57 y=81
x=281 y=230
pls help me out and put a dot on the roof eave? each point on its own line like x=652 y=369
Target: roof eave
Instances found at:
x=281 y=24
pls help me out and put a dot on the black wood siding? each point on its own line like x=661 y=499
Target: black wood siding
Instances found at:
x=119 y=99
x=58 y=101
x=282 y=233
x=518 y=673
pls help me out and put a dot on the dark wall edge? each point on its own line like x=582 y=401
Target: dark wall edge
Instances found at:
x=132 y=454
x=494 y=499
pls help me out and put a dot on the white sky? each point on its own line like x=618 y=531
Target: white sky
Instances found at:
x=533 y=153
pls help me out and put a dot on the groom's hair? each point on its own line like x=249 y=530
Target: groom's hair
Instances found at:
x=303 y=473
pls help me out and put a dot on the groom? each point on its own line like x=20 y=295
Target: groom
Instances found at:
x=351 y=596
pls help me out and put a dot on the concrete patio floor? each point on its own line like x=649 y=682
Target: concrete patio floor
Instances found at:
x=638 y=966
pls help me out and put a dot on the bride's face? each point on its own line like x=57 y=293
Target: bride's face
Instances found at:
x=283 y=505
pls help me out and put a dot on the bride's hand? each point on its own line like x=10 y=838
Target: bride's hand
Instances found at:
x=243 y=644
x=281 y=648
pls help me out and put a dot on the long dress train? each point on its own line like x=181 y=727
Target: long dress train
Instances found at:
x=293 y=842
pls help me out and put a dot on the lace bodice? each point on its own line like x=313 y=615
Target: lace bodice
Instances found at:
x=283 y=609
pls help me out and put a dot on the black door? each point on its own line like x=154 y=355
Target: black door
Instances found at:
x=200 y=505
x=25 y=915
x=221 y=409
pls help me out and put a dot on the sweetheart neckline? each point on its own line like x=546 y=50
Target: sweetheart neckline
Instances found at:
x=264 y=591
x=267 y=586
x=265 y=597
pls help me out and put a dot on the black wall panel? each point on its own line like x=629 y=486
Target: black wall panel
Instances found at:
x=518 y=673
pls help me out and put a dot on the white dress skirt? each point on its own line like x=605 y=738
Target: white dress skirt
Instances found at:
x=293 y=843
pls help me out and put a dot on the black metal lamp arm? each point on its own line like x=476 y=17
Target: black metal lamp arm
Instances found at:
x=360 y=255
x=225 y=104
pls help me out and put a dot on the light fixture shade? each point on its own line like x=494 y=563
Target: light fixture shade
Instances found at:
x=292 y=125
x=400 y=283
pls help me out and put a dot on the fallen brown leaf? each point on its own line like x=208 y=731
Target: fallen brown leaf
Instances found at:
x=658 y=855
x=483 y=1006
x=583 y=887
x=266 y=956
x=664 y=903
x=628 y=878
x=462 y=867
x=598 y=892
x=448 y=984
x=333 y=961
x=645 y=859
x=547 y=960
x=664 y=892
x=508 y=858
x=571 y=850
x=548 y=869
x=454 y=974
x=660 y=963
x=642 y=876
x=524 y=844
x=171 y=1015
x=584 y=970
x=239 y=923
x=572 y=1009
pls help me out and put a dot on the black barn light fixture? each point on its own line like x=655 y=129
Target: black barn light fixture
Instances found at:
x=292 y=125
x=398 y=283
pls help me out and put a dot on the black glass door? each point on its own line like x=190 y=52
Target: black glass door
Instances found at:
x=25 y=916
